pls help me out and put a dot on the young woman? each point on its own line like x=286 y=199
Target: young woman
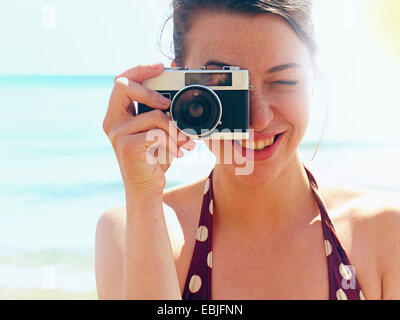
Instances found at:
x=266 y=235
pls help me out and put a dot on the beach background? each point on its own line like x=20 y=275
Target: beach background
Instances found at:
x=58 y=172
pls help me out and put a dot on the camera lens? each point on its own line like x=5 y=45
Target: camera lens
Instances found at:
x=196 y=110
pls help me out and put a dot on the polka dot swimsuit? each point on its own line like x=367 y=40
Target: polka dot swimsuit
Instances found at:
x=343 y=284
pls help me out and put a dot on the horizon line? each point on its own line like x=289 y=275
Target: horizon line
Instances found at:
x=57 y=75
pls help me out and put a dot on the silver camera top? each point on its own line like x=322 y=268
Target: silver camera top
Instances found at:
x=176 y=78
x=201 y=68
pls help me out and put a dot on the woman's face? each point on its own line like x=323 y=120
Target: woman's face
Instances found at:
x=281 y=74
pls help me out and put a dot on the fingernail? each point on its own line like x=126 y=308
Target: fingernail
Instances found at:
x=165 y=101
x=180 y=153
x=123 y=80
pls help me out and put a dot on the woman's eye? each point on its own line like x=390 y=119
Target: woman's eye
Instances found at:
x=287 y=83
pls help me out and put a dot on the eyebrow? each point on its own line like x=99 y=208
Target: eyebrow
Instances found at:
x=283 y=67
x=272 y=70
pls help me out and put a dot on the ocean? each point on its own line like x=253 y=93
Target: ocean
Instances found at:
x=58 y=174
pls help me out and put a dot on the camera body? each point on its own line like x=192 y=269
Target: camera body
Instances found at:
x=206 y=104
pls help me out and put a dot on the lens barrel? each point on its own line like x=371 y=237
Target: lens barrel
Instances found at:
x=197 y=110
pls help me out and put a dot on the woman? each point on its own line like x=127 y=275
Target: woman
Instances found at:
x=265 y=235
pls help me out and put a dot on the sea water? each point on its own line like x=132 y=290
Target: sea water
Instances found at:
x=58 y=174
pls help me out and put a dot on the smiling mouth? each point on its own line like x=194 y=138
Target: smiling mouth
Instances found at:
x=259 y=145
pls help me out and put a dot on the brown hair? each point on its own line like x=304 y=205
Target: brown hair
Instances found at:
x=295 y=12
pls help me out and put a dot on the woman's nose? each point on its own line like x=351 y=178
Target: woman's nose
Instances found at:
x=261 y=113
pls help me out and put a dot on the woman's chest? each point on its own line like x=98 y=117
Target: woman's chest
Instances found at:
x=295 y=267
x=291 y=270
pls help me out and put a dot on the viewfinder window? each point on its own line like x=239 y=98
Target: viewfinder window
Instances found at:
x=209 y=79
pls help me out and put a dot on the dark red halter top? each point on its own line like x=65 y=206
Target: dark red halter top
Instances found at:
x=343 y=284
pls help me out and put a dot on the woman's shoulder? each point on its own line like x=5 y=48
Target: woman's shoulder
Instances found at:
x=182 y=207
x=177 y=201
x=361 y=206
x=178 y=198
x=366 y=203
x=367 y=223
x=180 y=204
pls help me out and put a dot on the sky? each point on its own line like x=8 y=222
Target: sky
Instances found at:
x=78 y=37
x=104 y=37
x=359 y=64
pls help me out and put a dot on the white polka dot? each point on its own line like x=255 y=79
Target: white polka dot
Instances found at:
x=207 y=186
x=211 y=207
x=328 y=248
x=202 y=233
x=362 y=295
x=209 y=259
x=340 y=295
x=345 y=271
x=195 y=284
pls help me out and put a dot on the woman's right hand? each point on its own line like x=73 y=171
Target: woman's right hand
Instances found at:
x=132 y=136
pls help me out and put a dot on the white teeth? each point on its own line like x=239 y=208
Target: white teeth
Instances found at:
x=256 y=146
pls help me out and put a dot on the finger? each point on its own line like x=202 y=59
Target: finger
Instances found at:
x=130 y=91
x=142 y=72
x=149 y=120
x=156 y=118
x=145 y=122
x=121 y=104
x=160 y=147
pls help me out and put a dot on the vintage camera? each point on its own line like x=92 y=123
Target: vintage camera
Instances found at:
x=206 y=104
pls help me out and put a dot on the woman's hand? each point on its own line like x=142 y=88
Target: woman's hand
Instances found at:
x=143 y=160
x=143 y=163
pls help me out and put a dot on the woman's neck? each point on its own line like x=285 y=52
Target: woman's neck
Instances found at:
x=279 y=204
